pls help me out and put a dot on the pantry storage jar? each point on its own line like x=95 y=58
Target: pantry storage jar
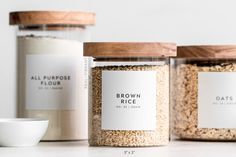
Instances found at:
x=204 y=93
x=129 y=93
x=52 y=72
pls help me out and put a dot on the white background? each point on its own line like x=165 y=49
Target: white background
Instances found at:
x=182 y=21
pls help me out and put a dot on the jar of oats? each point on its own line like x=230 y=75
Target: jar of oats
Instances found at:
x=129 y=93
x=52 y=72
x=203 y=88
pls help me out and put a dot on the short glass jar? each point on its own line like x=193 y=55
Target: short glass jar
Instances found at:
x=52 y=72
x=129 y=93
x=203 y=89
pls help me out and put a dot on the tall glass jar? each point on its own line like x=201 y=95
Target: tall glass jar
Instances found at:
x=52 y=72
x=129 y=93
x=204 y=93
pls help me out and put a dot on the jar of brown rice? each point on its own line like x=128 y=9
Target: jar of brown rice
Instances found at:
x=129 y=93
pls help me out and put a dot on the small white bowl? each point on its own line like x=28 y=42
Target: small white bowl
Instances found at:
x=22 y=131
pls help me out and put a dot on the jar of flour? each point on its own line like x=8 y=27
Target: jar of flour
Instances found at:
x=52 y=72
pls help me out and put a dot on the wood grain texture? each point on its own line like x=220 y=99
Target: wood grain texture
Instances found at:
x=207 y=51
x=51 y=17
x=129 y=49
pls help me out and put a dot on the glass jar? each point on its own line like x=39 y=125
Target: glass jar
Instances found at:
x=52 y=72
x=129 y=93
x=204 y=93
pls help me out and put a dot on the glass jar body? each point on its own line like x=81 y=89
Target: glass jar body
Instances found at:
x=129 y=102
x=52 y=78
x=203 y=98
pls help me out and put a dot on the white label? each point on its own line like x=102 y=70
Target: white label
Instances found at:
x=217 y=100
x=51 y=82
x=129 y=100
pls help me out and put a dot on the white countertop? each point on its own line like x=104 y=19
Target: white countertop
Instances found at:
x=81 y=149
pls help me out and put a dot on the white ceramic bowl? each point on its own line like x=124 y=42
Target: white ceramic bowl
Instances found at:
x=22 y=131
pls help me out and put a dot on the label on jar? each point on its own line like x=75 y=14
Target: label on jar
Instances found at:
x=217 y=99
x=51 y=82
x=129 y=100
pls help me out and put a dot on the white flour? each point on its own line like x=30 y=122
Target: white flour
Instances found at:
x=52 y=76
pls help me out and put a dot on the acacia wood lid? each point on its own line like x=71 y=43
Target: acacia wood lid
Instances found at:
x=207 y=51
x=129 y=49
x=52 y=18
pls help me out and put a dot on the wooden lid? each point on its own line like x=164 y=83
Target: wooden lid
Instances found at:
x=129 y=49
x=51 y=18
x=207 y=51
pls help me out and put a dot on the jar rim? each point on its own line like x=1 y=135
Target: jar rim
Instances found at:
x=129 y=49
x=207 y=51
x=51 y=18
